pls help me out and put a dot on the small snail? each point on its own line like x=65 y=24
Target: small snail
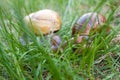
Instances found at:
x=86 y=23
x=46 y=22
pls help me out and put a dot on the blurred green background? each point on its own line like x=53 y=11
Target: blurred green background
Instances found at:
x=33 y=61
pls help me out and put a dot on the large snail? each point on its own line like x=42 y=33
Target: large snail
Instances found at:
x=45 y=22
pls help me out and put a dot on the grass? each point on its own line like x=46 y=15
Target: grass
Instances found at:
x=36 y=61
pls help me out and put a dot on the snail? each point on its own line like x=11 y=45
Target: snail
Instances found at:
x=86 y=23
x=46 y=22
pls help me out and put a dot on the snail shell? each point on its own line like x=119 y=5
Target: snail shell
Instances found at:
x=89 y=20
x=43 y=21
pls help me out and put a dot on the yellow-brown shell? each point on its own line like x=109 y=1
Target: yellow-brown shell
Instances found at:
x=43 y=21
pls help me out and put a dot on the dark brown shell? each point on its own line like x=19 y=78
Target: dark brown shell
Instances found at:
x=89 y=20
x=55 y=42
